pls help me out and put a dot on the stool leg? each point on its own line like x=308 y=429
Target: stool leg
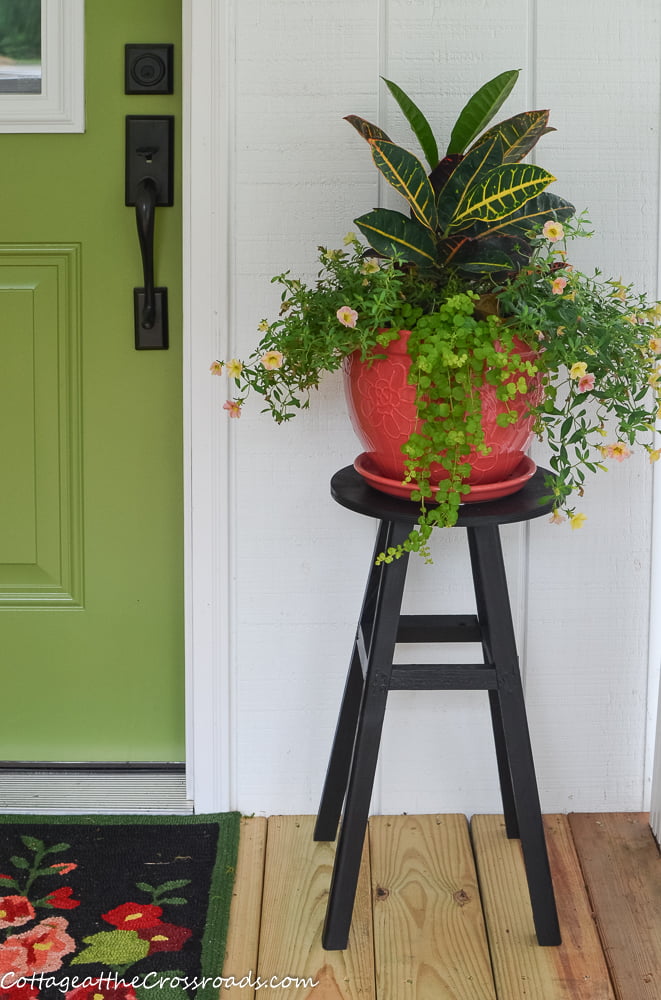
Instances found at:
x=491 y=584
x=506 y=790
x=366 y=750
x=504 y=776
x=337 y=775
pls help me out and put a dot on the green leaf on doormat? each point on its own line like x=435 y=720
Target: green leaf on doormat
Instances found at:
x=112 y=948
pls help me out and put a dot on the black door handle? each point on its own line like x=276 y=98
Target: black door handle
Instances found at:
x=149 y=182
x=145 y=211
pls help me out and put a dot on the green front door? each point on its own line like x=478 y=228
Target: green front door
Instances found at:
x=91 y=568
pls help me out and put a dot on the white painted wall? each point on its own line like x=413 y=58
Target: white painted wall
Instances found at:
x=294 y=176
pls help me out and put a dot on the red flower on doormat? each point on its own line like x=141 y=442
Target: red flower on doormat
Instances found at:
x=133 y=916
x=98 y=990
x=41 y=949
x=62 y=899
x=165 y=937
x=15 y=910
x=23 y=992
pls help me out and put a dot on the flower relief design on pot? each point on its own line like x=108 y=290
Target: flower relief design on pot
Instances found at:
x=381 y=404
x=501 y=336
x=382 y=408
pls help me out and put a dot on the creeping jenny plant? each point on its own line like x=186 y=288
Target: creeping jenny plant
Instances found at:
x=476 y=265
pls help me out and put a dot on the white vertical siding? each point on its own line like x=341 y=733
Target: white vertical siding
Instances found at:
x=298 y=177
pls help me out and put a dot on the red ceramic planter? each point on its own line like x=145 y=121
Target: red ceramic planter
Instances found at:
x=382 y=410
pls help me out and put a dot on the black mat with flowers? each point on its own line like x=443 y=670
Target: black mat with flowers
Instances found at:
x=115 y=907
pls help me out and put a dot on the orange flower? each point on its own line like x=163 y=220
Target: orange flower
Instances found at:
x=64 y=867
x=232 y=407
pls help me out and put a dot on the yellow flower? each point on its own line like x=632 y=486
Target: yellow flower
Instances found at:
x=216 y=367
x=272 y=360
x=654 y=314
x=655 y=455
x=578 y=369
x=577 y=520
x=370 y=266
x=655 y=345
x=234 y=368
x=619 y=290
x=349 y=238
x=263 y=326
x=553 y=231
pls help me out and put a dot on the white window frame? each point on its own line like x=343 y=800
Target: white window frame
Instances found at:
x=60 y=107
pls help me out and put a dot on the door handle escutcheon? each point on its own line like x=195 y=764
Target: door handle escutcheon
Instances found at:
x=145 y=211
x=149 y=182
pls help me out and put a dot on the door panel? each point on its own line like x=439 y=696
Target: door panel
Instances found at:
x=91 y=577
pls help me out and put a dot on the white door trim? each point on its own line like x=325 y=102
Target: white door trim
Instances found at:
x=207 y=68
x=654 y=693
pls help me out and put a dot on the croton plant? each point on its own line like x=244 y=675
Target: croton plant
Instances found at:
x=473 y=212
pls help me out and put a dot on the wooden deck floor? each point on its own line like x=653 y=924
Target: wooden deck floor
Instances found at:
x=442 y=912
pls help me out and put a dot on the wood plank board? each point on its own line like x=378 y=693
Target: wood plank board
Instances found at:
x=245 y=913
x=575 y=970
x=622 y=871
x=296 y=882
x=429 y=935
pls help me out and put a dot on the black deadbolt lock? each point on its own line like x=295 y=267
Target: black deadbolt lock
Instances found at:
x=148 y=69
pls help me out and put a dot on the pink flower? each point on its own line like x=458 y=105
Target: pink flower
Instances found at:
x=232 y=407
x=558 y=286
x=586 y=382
x=40 y=949
x=347 y=316
x=619 y=451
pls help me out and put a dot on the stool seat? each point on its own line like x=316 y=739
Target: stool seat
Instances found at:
x=372 y=674
x=349 y=489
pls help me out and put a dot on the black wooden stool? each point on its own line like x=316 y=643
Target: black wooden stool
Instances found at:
x=352 y=766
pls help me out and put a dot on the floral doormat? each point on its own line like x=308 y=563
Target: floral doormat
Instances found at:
x=115 y=907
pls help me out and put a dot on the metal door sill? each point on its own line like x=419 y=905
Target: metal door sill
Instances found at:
x=86 y=789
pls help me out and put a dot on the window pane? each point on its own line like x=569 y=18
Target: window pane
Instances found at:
x=20 y=46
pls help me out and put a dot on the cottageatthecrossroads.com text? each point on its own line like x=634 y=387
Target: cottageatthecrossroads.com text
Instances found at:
x=151 y=981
